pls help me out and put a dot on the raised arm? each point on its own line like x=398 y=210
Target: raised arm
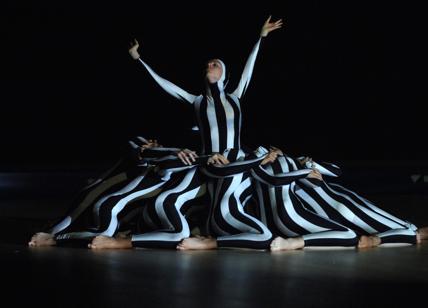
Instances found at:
x=168 y=86
x=249 y=66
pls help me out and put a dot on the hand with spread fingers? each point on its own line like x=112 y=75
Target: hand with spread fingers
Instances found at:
x=187 y=156
x=270 y=26
x=133 y=49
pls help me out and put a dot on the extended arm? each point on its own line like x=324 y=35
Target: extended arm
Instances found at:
x=168 y=86
x=230 y=169
x=324 y=168
x=280 y=179
x=249 y=66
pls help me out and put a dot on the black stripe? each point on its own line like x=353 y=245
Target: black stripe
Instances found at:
x=237 y=118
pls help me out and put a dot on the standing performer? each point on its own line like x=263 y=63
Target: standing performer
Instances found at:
x=219 y=120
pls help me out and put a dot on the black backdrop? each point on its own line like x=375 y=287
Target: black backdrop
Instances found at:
x=344 y=80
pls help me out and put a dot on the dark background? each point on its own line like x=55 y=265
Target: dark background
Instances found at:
x=343 y=81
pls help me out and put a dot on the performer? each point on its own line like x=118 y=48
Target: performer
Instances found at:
x=219 y=120
x=218 y=113
x=142 y=180
x=294 y=225
x=237 y=228
x=171 y=225
x=373 y=225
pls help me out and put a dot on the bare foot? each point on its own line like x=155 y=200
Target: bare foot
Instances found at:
x=106 y=242
x=123 y=234
x=292 y=243
x=42 y=239
x=422 y=234
x=369 y=241
x=197 y=243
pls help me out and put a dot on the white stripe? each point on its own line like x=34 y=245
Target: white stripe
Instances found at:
x=373 y=207
x=238 y=105
x=321 y=169
x=291 y=161
x=274 y=205
x=330 y=235
x=289 y=208
x=249 y=233
x=248 y=71
x=176 y=236
x=111 y=229
x=395 y=232
x=212 y=120
x=345 y=211
x=134 y=183
x=89 y=199
x=314 y=204
x=225 y=210
x=391 y=224
x=160 y=200
x=283 y=164
x=169 y=87
x=230 y=121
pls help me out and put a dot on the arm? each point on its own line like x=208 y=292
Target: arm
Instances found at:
x=143 y=150
x=173 y=163
x=168 y=86
x=230 y=169
x=280 y=179
x=324 y=168
x=249 y=66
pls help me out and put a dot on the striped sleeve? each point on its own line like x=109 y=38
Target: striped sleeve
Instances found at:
x=279 y=179
x=248 y=71
x=169 y=87
x=325 y=168
x=157 y=152
x=231 y=169
x=172 y=162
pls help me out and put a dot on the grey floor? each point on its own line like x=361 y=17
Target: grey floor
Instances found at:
x=70 y=277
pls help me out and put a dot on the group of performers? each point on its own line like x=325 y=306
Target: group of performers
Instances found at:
x=223 y=196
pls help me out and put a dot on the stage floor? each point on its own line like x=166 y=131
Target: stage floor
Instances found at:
x=76 y=277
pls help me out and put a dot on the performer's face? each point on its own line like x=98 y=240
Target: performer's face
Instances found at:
x=214 y=71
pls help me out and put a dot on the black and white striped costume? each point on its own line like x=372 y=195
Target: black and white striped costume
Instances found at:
x=219 y=120
x=344 y=206
x=122 y=173
x=170 y=225
x=218 y=113
x=230 y=189
x=286 y=216
x=109 y=209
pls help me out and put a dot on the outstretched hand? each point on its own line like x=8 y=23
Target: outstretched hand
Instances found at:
x=270 y=26
x=133 y=49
